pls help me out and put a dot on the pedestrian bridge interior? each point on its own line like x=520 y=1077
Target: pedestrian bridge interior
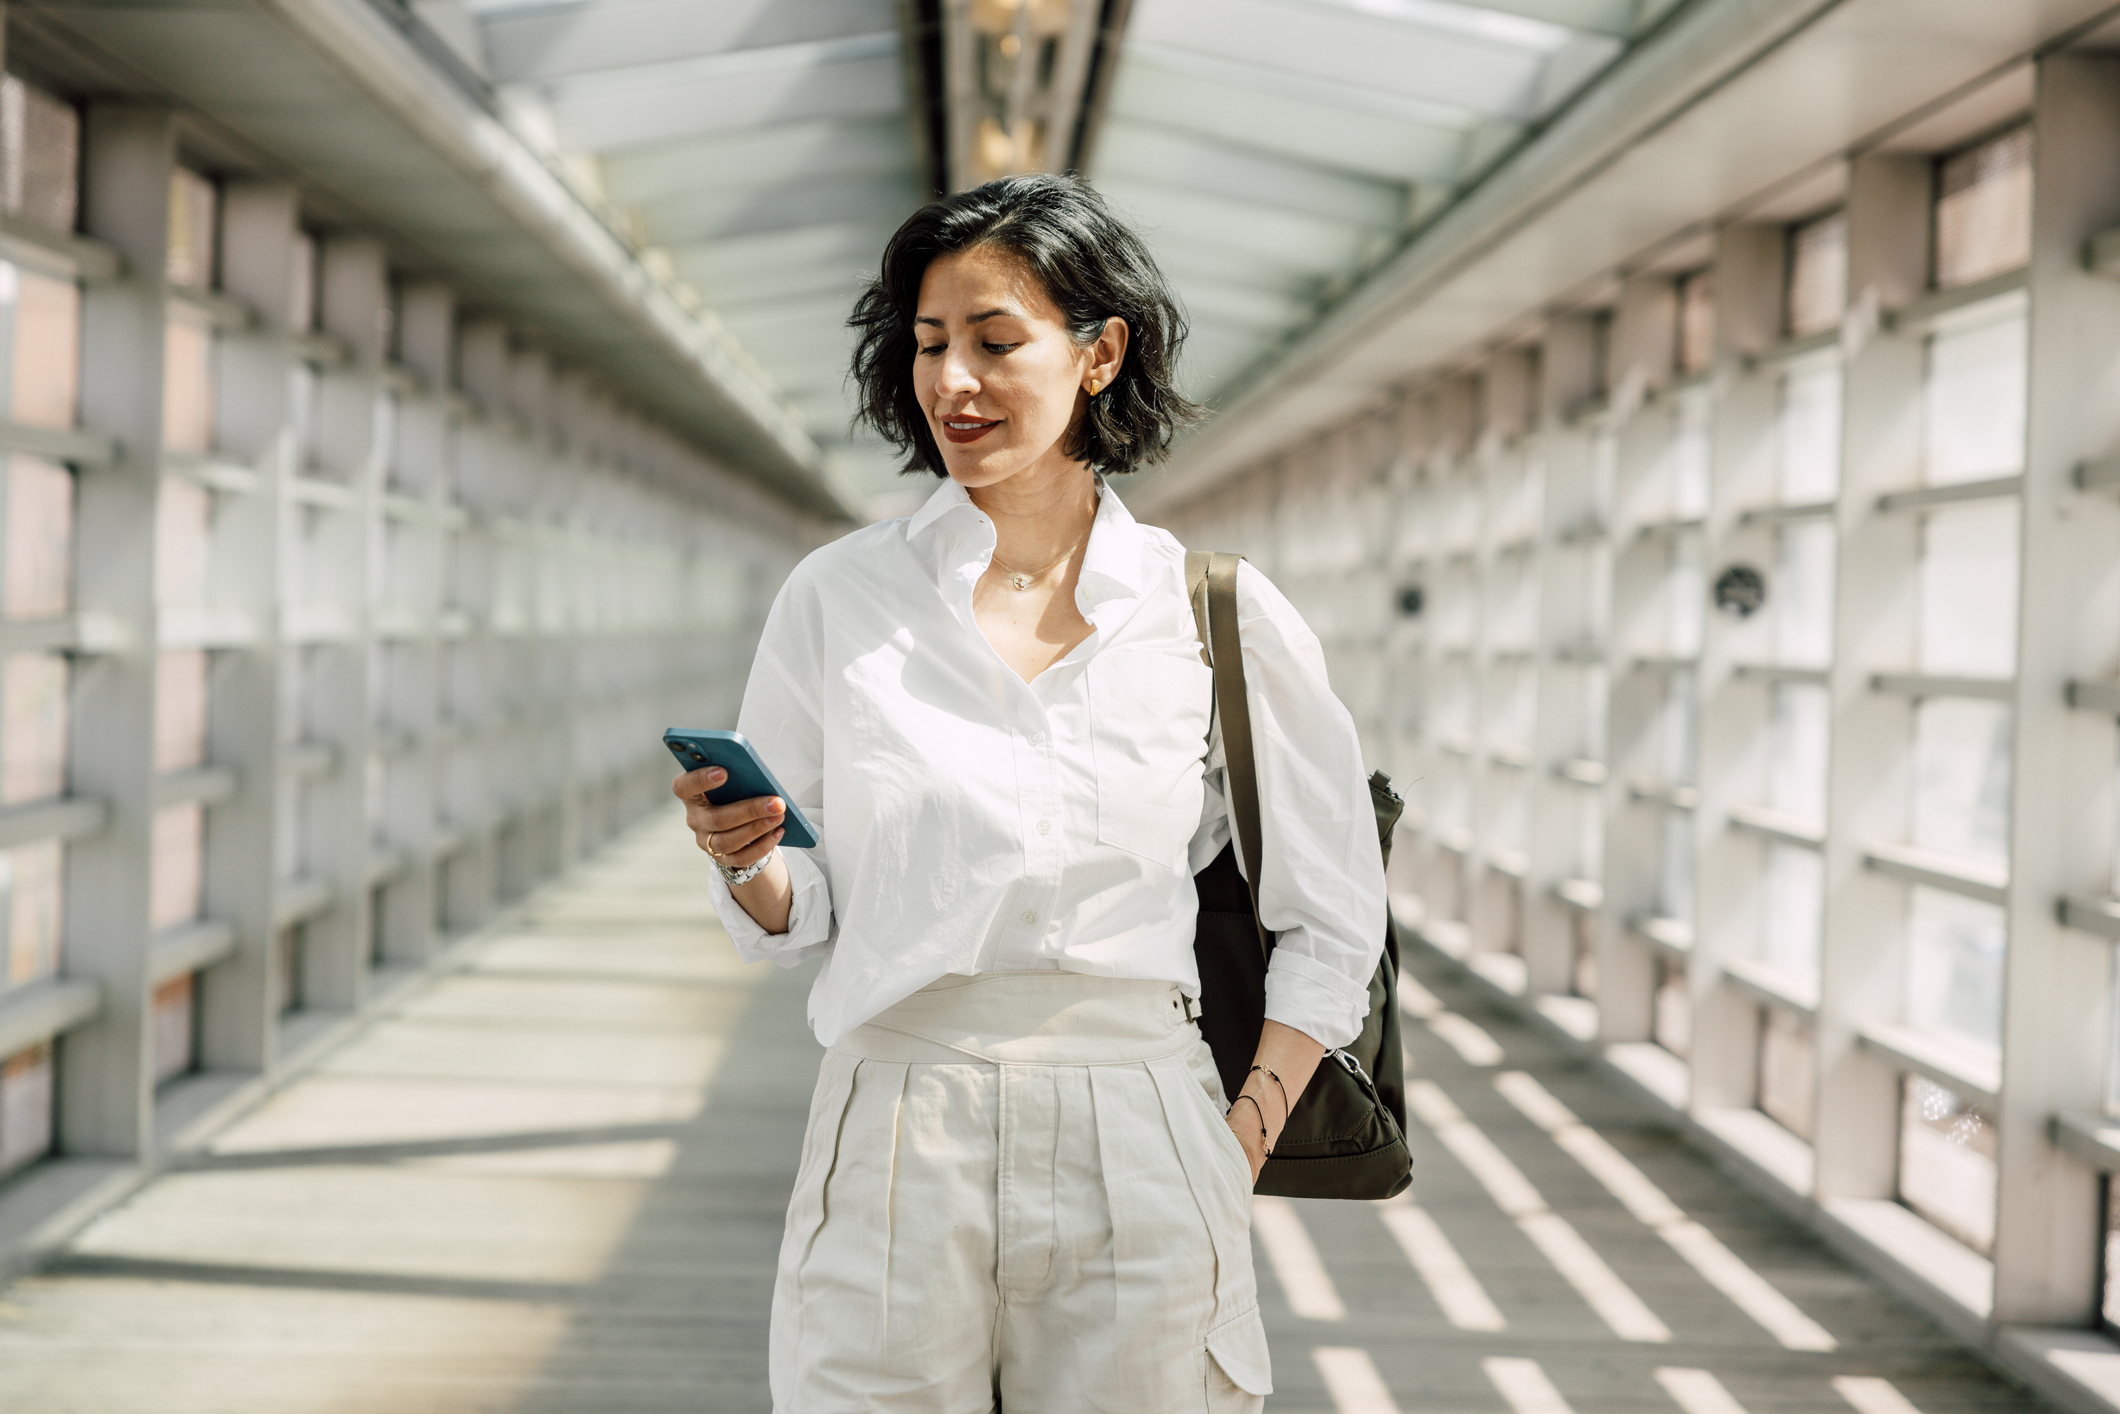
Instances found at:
x=1691 y=426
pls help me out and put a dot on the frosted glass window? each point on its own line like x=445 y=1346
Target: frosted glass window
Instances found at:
x=177 y=869
x=1962 y=777
x=1954 y=965
x=1672 y=1009
x=187 y=381
x=45 y=350
x=1818 y=274
x=191 y=229
x=1788 y=1070
x=180 y=709
x=1968 y=589
x=174 y=1009
x=1800 y=597
x=1973 y=401
x=302 y=285
x=33 y=728
x=40 y=155
x=1696 y=321
x=25 y=1108
x=1795 y=902
x=183 y=521
x=2109 y=1307
x=40 y=539
x=1801 y=724
x=32 y=882
x=1809 y=431
x=1947 y=1162
x=287 y=960
x=1692 y=449
x=1686 y=596
x=1674 y=885
x=1677 y=718
x=1984 y=210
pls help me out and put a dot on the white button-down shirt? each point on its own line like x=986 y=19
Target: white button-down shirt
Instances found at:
x=971 y=822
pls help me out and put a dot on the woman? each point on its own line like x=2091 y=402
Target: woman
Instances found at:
x=1021 y=1186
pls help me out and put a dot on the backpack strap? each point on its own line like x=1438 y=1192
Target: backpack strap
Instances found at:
x=1211 y=584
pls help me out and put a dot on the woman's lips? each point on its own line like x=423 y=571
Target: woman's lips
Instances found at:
x=968 y=429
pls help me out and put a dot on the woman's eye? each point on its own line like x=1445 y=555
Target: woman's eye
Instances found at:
x=1000 y=348
x=932 y=349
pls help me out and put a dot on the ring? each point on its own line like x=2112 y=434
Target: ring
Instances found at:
x=708 y=845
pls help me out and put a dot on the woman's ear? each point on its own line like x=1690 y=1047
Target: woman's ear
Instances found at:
x=1105 y=356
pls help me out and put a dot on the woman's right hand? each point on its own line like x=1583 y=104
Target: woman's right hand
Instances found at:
x=738 y=834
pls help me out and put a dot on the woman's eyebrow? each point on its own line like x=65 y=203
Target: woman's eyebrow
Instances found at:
x=984 y=314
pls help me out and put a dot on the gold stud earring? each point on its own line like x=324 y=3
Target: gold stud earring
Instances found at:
x=1093 y=386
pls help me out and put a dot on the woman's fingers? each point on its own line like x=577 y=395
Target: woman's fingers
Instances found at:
x=693 y=784
x=750 y=854
x=737 y=833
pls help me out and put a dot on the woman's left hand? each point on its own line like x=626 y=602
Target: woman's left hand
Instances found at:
x=1285 y=1061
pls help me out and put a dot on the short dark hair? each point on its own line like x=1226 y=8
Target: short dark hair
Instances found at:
x=1091 y=265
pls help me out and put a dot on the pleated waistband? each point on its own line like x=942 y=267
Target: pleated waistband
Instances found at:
x=1028 y=1018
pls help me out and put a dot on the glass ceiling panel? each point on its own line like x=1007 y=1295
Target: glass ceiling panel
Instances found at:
x=761 y=151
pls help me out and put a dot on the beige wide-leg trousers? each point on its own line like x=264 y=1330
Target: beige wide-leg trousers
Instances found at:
x=1017 y=1192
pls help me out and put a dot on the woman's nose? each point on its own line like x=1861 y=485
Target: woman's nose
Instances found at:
x=955 y=375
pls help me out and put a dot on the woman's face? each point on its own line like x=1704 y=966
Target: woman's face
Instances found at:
x=995 y=369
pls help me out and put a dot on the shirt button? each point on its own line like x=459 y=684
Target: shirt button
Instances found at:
x=1045 y=827
x=1037 y=738
x=1029 y=917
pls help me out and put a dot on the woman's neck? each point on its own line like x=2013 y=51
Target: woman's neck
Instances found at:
x=1039 y=516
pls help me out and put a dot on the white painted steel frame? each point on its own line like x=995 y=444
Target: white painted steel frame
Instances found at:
x=524 y=583
x=1597 y=429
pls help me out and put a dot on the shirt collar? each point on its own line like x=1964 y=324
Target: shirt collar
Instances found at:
x=1112 y=565
x=948 y=497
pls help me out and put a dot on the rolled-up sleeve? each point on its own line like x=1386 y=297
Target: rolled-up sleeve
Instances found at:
x=779 y=718
x=1321 y=886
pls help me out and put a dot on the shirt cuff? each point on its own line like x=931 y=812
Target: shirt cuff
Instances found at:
x=809 y=915
x=1319 y=1001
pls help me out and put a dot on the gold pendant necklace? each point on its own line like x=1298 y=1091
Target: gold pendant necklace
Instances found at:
x=1019 y=581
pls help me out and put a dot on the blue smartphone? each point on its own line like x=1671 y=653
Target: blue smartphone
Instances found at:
x=748 y=776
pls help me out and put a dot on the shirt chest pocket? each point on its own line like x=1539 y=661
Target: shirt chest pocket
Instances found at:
x=1148 y=725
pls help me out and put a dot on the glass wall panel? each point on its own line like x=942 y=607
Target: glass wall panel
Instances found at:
x=25 y=1108
x=1973 y=402
x=40 y=539
x=1696 y=321
x=1795 y=902
x=31 y=878
x=2109 y=1305
x=1968 y=590
x=1672 y=1015
x=1962 y=777
x=1818 y=274
x=179 y=855
x=1984 y=209
x=1788 y=1072
x=40 y=155
x=1808 y=430
x=1800 y=596
x=1954 y=965
x=45 y=350
x=174 y=1009
x=32 y=727
x=1947 y=1162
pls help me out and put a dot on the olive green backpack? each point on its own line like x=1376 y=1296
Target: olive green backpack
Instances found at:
x=1347 y=1135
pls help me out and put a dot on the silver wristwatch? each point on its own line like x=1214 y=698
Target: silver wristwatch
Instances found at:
x=733 y=877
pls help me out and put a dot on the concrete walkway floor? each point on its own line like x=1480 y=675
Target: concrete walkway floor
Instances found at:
x=552 y=1179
